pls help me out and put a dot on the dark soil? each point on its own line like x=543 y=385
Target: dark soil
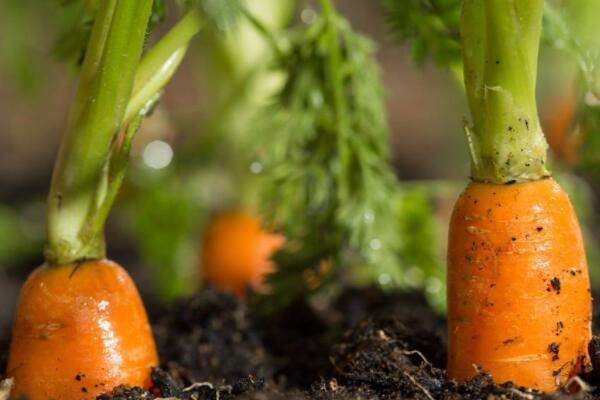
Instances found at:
x=366 y=345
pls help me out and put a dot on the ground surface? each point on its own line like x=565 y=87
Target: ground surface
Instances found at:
x=366 y=345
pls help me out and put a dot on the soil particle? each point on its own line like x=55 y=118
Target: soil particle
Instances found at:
x=555 y=283
x=127 y=393
x=594 y=351
x=559 y=328
x=554 y=348
x=166 y=385
x=510 y=340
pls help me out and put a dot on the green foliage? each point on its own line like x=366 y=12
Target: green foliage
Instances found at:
x=21 y=233
x=430 y=27
x=573 y=29
x=24 y=26
x=208 y=172
x=420 y=252
x=589 y=126
x=323 y=149
x=163 y=215
x=71 y=45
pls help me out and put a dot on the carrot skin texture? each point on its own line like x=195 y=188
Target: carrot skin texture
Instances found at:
x=519 y=303
x=236 y=252
x=80 y=330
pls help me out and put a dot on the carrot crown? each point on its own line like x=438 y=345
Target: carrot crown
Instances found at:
x=500 y=41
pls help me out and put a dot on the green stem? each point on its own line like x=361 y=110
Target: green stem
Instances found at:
x=160 y=63
x=500 y=49
x=104 y=90
x=117 y=166
x=335 y=76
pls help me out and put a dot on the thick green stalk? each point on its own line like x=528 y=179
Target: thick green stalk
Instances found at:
x=160 y=63
x=79 y=183
x=500 y=50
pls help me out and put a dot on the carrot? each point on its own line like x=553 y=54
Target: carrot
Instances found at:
x=236 y=252
x=80 y=331
x=519 y=304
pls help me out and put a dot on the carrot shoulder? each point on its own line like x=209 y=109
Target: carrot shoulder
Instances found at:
x=519 y=302
x=80 y=330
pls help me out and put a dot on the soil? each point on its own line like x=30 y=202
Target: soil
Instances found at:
x=366 y=345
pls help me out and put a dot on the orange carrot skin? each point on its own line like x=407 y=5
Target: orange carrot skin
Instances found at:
x=80 y=330
x=518 y=288
x=236 y=252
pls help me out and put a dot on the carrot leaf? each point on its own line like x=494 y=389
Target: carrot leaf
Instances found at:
x=429 y=27
x=323 y=161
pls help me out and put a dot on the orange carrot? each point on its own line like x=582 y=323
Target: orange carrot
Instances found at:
x=80 y=330
x=518 y=302
x=236 y=252
x=519 y=299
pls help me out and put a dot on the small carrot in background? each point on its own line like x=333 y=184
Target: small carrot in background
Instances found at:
x=519 y=305
x=236 y=251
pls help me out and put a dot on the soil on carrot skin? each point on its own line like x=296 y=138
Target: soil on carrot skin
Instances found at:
x=365 y=345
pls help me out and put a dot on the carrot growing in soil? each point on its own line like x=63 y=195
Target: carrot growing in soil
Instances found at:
x=80 y=326
x=518 y=289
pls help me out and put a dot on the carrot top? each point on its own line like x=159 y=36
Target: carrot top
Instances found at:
x=500 y=51
x=117 y=87
x=77 y=195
